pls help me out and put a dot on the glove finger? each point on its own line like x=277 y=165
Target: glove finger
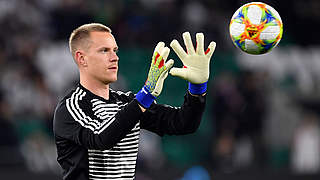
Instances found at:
x=163 y=76
x=162 y=57
x=169 y=64
x=165 y=53
x=158 y=48
x=188 y=42
x=200 y=42
x=175 y=45
x=179 y=72
x=156 y=60
x=210 y=50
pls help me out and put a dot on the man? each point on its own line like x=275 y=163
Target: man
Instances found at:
x=97 y=129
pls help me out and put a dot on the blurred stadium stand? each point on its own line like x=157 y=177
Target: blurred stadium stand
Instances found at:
x=262 y=117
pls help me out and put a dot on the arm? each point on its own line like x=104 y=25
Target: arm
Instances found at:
x=168 y=120
x=68 y=128
x=164 y=119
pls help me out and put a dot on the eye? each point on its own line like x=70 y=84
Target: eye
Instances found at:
x=116 y=50
x=104 y=50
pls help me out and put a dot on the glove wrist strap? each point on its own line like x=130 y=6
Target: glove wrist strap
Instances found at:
x=197 y=89
x=144 y=97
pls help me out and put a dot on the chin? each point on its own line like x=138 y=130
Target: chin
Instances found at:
x=111 y=80
x=115 y=79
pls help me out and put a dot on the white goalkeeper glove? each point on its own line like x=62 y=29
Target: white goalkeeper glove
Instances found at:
x=195 y=62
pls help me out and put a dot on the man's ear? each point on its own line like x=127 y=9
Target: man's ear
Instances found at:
x=80 y=58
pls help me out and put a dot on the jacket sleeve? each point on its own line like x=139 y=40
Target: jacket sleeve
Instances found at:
x=69 y=128
x=164 y=119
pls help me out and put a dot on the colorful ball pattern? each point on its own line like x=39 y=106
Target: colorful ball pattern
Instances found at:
x=256 y=28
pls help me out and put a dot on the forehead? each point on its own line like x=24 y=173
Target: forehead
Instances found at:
x=102 y=39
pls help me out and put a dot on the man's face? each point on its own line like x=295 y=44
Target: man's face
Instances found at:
x=101 y=57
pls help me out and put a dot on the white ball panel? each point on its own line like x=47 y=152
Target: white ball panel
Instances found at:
x=251 y=46
x=254 y=14
x=270 y=32
x=236 y=29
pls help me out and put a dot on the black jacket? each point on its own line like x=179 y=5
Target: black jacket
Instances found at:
x=98 y=138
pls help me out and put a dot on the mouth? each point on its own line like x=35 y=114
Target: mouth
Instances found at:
x=113 y=68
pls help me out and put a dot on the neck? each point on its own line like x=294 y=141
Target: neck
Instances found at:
x=96 y=87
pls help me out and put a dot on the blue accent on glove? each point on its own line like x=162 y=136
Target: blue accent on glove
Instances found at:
x=197 y=89
x=144 y=97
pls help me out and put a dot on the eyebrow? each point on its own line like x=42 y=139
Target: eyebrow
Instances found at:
x=108 y=48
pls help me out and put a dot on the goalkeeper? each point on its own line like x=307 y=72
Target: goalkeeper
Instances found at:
x=96 y=129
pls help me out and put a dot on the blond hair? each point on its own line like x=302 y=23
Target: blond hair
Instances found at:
x=80 y=36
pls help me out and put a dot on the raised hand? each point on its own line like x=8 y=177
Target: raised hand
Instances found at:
x=158 y=72
x=195 y=61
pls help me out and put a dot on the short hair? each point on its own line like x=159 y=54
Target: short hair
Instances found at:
x=80 y=36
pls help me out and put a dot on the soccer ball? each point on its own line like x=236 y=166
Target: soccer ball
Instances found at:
x=256 y=28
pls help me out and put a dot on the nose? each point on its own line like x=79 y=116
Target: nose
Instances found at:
x=114 y=56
